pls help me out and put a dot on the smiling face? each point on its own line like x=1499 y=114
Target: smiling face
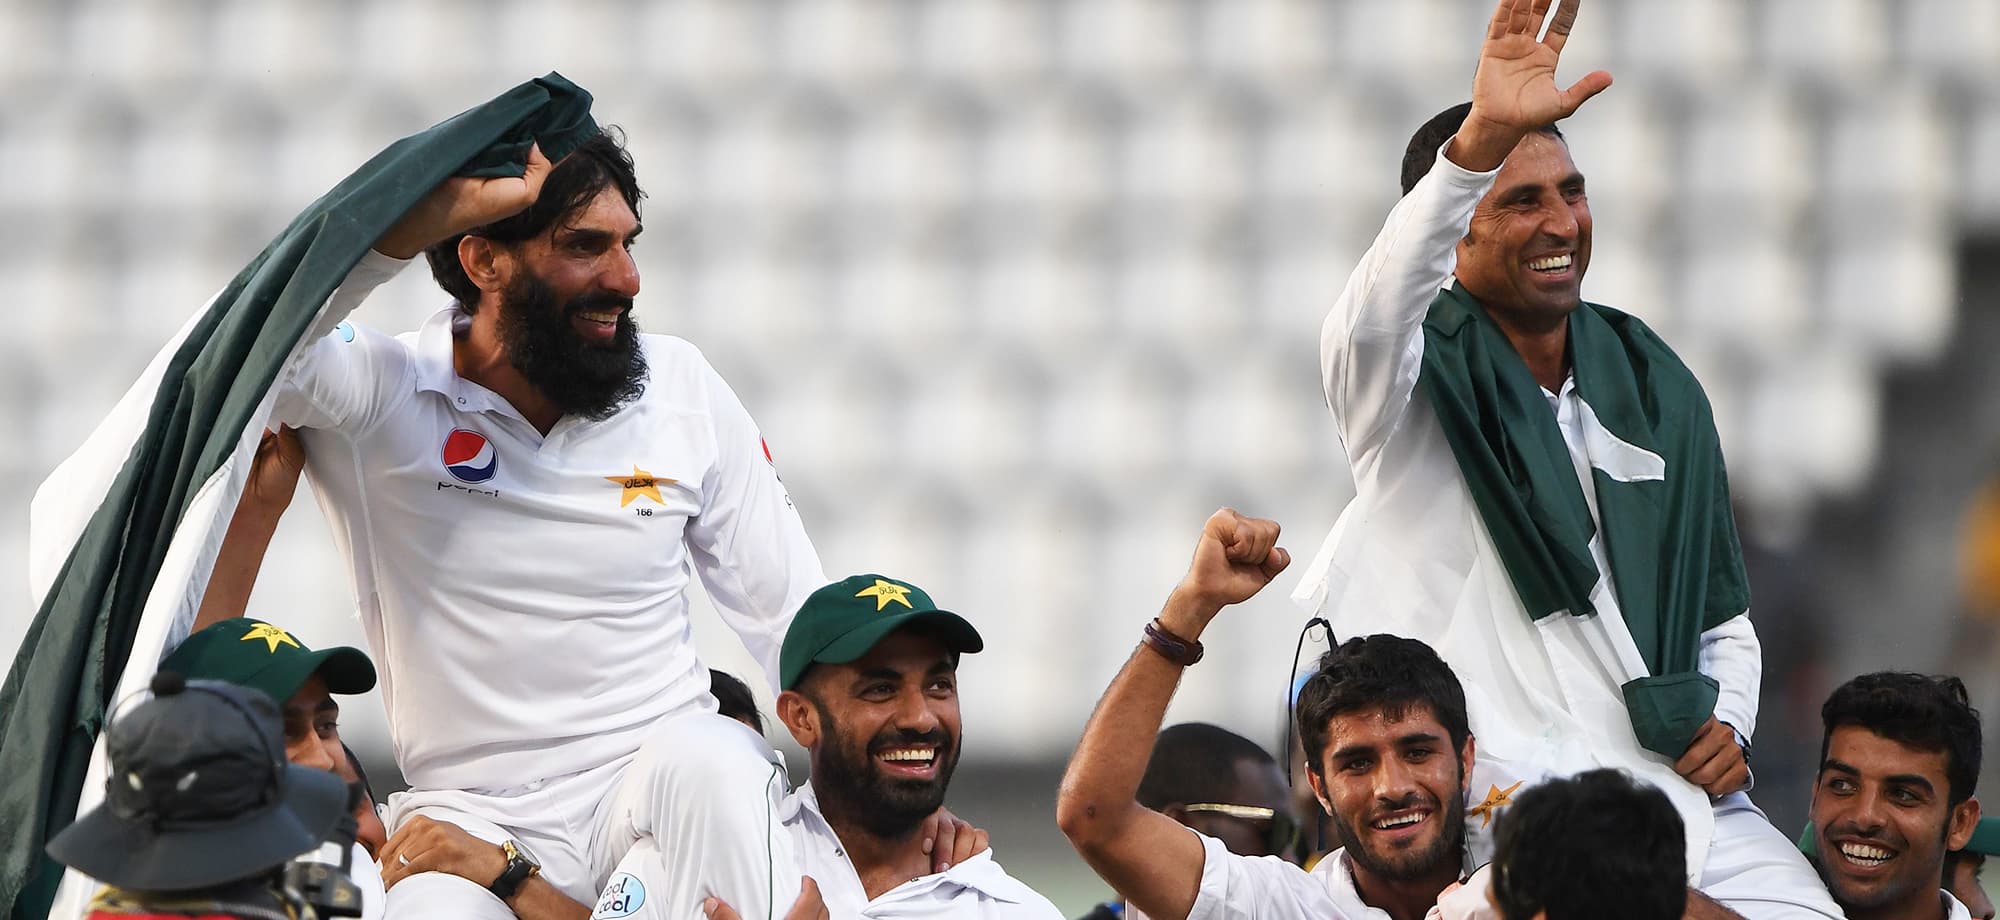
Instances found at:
x=564 y=307
x=882 y=730
x=1883 y=822
x=1396 y=791
x=1528 y=246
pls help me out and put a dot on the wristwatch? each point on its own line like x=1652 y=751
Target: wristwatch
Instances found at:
x=519 y=869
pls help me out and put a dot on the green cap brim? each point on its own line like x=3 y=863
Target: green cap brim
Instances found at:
x=958 y=635
x=1985 y=838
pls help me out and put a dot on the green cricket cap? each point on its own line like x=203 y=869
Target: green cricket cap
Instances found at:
x=842 y=621
x=255 y=654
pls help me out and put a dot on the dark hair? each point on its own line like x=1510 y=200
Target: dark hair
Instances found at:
x=1196 y=762
x=1421 y=154
x=735 y=699
x=601 y=162
x=1914 y=710
x=1380 y=670
x=1593 y=845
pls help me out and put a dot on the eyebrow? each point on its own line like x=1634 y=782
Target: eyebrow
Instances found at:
x=1906 y=779
x=586 y=234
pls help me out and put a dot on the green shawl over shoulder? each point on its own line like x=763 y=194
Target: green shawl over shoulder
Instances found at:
x=1672 y=542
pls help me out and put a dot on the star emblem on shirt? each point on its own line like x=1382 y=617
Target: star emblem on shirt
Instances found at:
x=1496 y=799
x=640 y=483
x=271 y=635
x=886 y=591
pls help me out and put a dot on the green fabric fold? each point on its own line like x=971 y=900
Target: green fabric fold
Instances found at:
x=1671 y=541
x=56 y=694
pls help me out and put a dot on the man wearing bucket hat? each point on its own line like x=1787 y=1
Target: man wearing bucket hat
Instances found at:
x=869 y=670
x=201 y=811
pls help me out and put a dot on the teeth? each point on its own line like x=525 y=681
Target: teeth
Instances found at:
x=1864 y=854
x=1403 y=821
x=596 y=317
x=908 y=754
x=1550 y=263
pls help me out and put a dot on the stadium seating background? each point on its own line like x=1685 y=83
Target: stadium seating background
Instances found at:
x=1020 y=290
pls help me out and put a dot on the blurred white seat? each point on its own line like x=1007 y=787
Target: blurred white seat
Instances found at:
x=417 y=48
x=852 y=46
x=1118 y=418
x=1274 y=44
x=589 y=41
x=844 y=411
x=1392 y=43
x=1955 y=39
x=1749 y=291
x=31 y=46
x=980 y=405
x=144 y=50
x=1186 y=150
x=714 y=49
x=1263 y=421
x=1049 y=294
x=1326 y=151
x=1748 y=161
x=904 y=297
x=1826 y=41
x=1129 y=44
x=1186 y=291
x=1891 y=290
x=282 y=48
x=995 y=46
x=768 y=159
x=748 y=292
x=1704 y=43
x=912 y=155
x=1813 y=425
x=1049 y=153
x=1888 y=151
x=1622 y=146
x=1628 y=271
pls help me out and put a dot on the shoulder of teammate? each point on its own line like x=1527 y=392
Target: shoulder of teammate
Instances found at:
x=345 y=377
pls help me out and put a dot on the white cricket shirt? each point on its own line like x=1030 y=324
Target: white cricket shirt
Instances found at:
x=1237 y=887
x=1410 y=554
x=524 y=597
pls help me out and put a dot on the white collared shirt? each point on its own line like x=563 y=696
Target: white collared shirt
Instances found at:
x=525 y=595
x=1410 y=554
x=1237 y=887
x=1954 y=909
x=977 y=887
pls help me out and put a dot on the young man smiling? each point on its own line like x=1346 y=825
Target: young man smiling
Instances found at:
x=1383 y=724
x=1898 y=766
x=870 y=676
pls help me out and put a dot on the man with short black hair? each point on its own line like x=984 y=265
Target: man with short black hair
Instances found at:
x=1590 y=846
x=1964 y=867
x=1223 y=785
x=1899 y=764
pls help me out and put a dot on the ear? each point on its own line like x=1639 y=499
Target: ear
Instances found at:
x=1465 y=761
x=1964 y=820
x=1318 y=784
x=801 y=718
x=485 y=262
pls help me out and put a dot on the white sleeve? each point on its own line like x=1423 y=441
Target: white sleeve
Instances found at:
x=1237 y=887
x=1731 y=654
x=1372 y=345
x=749 y=546
x=336 y=379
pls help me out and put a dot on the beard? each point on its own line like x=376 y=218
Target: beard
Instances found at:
x=1408 y=865
x=580 y=377
x=852 y=788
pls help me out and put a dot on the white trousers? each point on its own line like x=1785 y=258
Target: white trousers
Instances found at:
x=703 y=787
x=1755 y=871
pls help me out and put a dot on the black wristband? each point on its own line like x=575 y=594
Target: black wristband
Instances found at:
x=1183 y=652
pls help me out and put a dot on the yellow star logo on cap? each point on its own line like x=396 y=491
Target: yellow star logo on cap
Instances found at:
x=270 y=634
x=641 y=483
x=885 y=591
x=1496 y=799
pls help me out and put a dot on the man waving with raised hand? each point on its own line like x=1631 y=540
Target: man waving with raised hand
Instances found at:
x=1540 y=493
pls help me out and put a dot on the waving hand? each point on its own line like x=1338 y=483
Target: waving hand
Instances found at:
x=1514 y=91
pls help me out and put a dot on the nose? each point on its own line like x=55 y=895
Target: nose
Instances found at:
x=913 y=713
x=310 y=753
x=1395 y=782
x=1560 y=221
x=621 y=274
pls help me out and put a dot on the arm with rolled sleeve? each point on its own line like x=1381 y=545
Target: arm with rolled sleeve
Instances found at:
x=749 y=546
x=1236 y=887
x=1372 y=344
x=1731 y=654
